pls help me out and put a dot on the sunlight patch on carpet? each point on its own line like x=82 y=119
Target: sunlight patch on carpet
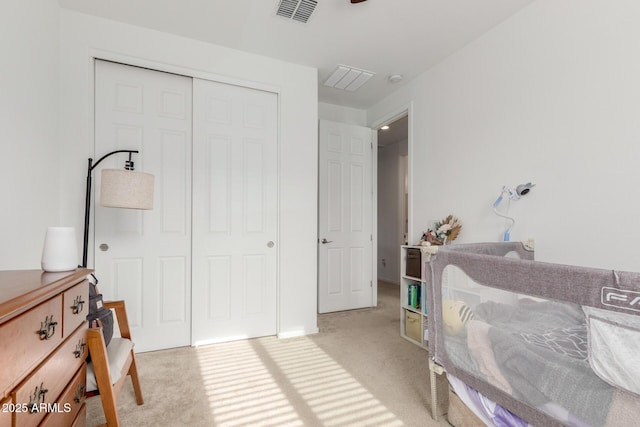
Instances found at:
x=281 y=382
x=241 y=390
x=335 y=396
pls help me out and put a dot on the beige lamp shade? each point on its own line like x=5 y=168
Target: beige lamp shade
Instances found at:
x=120 y=188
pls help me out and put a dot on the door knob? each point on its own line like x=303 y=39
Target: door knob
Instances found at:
x=325 y=241
x=104 y=247
x=270 y=244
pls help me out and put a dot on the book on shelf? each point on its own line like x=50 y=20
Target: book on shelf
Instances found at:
x=425 y=310
x=410 y=294
x=414 y=295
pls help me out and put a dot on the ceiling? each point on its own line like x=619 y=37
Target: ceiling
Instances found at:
x=385 y=37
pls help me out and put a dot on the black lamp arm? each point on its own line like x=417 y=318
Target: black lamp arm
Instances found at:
x=87 y=201
x=91 y=168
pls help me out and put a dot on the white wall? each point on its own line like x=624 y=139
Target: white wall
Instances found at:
x=390 y=198
x=337 y=113
x=551 y=95
x=83 y=36
x=29 y=175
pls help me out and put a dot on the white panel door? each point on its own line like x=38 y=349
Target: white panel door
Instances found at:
x=345 y=269
x=143 y=257
x=234 y=212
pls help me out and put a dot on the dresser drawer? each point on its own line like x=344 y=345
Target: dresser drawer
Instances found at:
x=81 y=419
x=47 y=382
x=24 y=346
x=5 y=413
x=75 y=307
x=70 y=403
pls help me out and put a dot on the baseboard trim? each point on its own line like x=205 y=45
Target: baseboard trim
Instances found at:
x=298 y=333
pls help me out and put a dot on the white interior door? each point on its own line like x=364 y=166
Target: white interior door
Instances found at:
x=234 y=212
x=345 y=230
x=143 y=257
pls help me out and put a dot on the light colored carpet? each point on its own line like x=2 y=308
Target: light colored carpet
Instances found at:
x=357 y=371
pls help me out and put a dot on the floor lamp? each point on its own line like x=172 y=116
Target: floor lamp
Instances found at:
x=119 y=188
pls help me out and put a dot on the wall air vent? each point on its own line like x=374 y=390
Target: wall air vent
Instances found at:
x=298 y=10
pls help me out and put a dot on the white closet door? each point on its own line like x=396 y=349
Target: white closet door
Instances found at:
x=147 y=262
x=234 y=212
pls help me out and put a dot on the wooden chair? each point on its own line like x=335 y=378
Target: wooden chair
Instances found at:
x=110 y=366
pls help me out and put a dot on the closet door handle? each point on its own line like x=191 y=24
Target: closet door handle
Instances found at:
x=324 y=241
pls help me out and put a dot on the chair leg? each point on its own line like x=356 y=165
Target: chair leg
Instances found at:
x=98 y=352
x=133 y=373
x=109 y=407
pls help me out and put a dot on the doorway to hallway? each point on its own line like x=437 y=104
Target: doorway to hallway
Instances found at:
x=393 y=196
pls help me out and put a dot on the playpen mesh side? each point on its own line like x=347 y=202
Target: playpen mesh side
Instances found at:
x=522 y=331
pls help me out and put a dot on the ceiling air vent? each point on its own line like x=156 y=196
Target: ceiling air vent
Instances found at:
x=298 y=10
x=348 y=78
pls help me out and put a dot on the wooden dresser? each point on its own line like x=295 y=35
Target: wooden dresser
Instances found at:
x=43 y=347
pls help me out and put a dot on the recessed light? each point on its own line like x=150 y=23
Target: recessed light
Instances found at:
x=395 y=78
x=385 y=127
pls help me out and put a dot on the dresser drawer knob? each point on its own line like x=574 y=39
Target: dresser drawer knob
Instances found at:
x=78 y=305
x=36 y=398
x=79 y=351
x=47 y=328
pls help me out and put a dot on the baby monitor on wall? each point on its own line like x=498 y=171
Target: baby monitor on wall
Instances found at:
x=523 y=189
x=515 y=194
